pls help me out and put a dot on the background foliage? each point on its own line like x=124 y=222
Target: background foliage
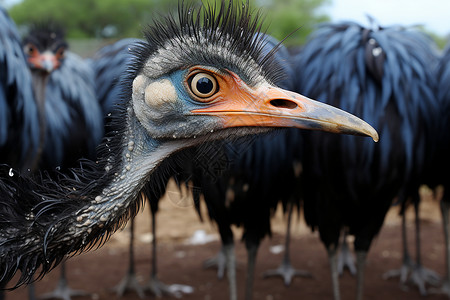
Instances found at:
x=125 y=18
x=89 y=21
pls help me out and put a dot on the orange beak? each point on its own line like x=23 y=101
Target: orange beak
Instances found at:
x=268 y=106
x=46 y=61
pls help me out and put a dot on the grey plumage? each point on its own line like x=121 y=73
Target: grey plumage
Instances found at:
x=18 y=112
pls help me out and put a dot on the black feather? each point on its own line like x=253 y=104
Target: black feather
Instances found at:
x=384 y=76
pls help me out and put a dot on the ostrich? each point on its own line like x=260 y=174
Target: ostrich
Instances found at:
x=69 y=121
x=440 y=161
x=381 y=74
x=199 y=77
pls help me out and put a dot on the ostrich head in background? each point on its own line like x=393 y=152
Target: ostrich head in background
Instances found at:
x=45 y=46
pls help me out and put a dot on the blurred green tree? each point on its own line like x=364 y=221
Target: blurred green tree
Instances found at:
x=125 y=18
x=86 y=18
x=296 y=18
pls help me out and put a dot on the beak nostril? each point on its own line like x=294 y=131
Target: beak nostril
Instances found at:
x=282 y=103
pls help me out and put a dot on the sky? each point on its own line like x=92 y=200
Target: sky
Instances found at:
x=433 y=14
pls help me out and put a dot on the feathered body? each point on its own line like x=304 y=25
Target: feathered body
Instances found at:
x=74 y=117
x=109 y=64
x=18 y=112
x=439 y=171
x=385 y=76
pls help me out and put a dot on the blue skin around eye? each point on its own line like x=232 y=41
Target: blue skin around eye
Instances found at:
x=177 y=79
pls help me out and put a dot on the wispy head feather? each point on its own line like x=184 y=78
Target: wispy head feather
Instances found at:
x=229 y=35
x=46 y=35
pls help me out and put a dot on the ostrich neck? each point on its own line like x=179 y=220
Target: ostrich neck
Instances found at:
x=40 y=80
x=81 y=217
x=139 y=159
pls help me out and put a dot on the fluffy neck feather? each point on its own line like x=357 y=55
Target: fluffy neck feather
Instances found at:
x=75 y=213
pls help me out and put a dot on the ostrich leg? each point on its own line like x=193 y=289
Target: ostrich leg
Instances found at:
x=63 y=291
x=408 y=264
x=230 y=258
x=218 y=261
x=445 y=287
x=411 y=271
x=252 y=250
x=225 y=259
x=155 y=286
x=360 y=267
x=285 y=270
x=130 y=282
x=332 y=257
x=345 y=257
x=420 y=275
x=31 y=292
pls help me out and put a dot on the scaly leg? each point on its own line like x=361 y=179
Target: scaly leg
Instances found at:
x=285 y=270
x=408 y=264
x=420 y=275
x=130 y=282
x=332 y=257
x=218 y=261
x=345 y=257
x=63 y=291
x=252 y=250
x=445 y=287
x=360 y=267
x=154 y=285
x=230 y=258
x=31 y=292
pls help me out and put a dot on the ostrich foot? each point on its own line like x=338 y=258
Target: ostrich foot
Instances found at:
x=219 y=261
x=159 y=289
x=287 y=272
x=345 y=259
x=444 y=289
x=64 y=292
x=415 y=274
x=129 y=283
x=404 y=271
x=421 y=276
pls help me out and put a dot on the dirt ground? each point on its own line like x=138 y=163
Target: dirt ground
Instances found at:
x=179 y=262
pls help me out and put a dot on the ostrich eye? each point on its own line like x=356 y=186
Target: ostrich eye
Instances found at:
x=60 y=53
x=29 y=49
x=203 y=85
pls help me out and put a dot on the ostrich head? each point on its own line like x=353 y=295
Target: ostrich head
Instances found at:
x=205 y=72
x=45 y=47
x=200 y=76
